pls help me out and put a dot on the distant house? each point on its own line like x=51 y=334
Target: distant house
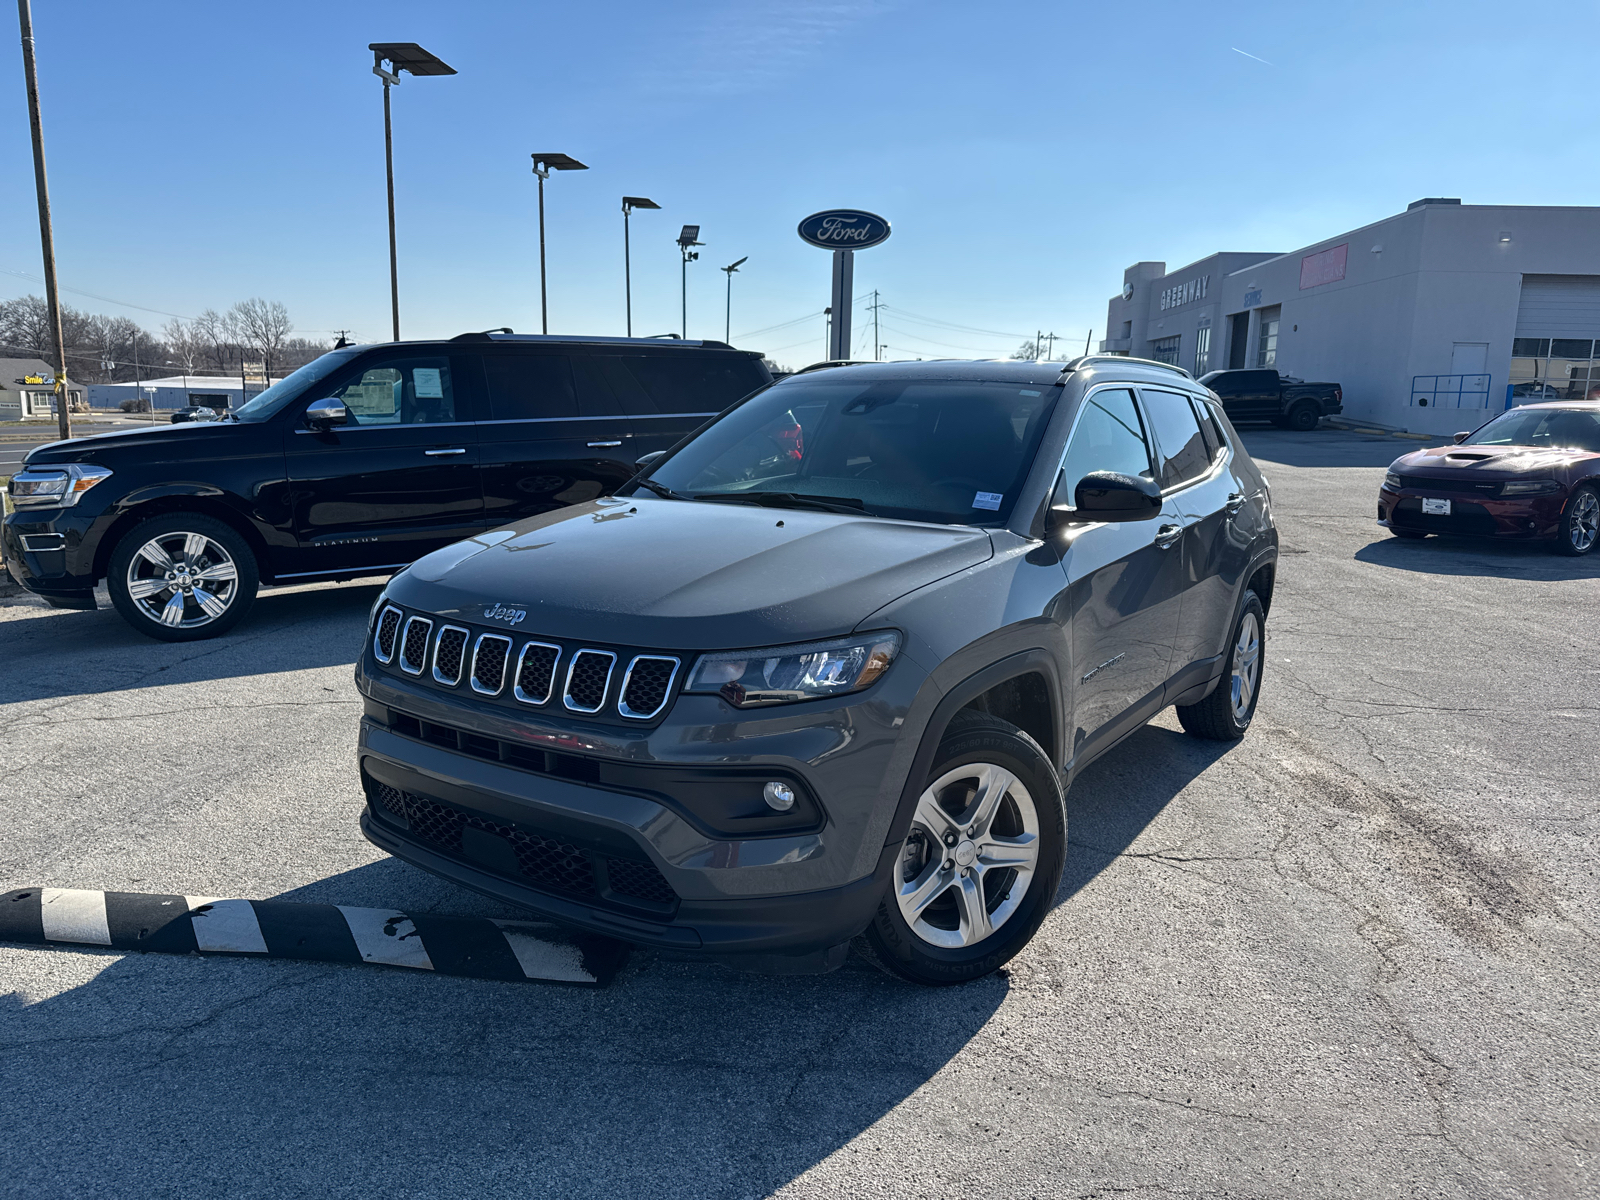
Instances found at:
x=179 y=391
x=27 y=389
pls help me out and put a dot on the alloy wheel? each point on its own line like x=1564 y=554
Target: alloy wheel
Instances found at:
x=1585 y=521
x=969 y=857
x=182 y=580
x=1246 y=666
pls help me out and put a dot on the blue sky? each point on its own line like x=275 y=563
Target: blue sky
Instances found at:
x=1025 y=153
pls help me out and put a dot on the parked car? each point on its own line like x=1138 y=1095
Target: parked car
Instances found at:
x=828 y=665
x=1532 y=473
x=354 y=465
x=1536 y=390
x=1264 y=395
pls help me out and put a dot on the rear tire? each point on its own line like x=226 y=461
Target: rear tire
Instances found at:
x=183 y=577
x=1225 y=715
x=1580 y=523
x=981 y=861
x=1304 y=416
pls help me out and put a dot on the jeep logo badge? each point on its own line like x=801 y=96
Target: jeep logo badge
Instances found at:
x=499 y=612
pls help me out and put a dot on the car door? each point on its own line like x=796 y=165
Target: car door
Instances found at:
x=1199 y=481
x=399 y=479
x=554 y=433
x=671 y=392
x=1124 y=581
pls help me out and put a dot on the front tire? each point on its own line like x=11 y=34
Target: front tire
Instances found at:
x=1225 y=715
x=182 y=577
x=982 y=860
x=1580 y=524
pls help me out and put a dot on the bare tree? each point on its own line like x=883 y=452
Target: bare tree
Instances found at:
x=185 y=344
x=25 y=326
x=263 y=325
x=1028 y=351
x=214 y=333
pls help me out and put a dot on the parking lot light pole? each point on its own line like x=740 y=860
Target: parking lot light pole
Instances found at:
x=401 y=56
x=629 y=203
x=543 y=164
x=687 y=239
x=47 y=236
x=727 y=328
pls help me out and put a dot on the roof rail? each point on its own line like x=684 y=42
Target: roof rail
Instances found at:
x=1089 y=360
x=833 y=362
x=482 y=335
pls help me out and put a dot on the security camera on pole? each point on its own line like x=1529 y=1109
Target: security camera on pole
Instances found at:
x=844 y=231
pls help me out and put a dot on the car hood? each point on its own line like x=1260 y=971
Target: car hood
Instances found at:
x=1498 y=461
x=152 y=442
x=685 y=575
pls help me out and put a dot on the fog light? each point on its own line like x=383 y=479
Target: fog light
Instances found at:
x=779 y=796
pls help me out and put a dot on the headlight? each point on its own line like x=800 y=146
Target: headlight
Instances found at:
x=1529 y=487
x=1393 y=482
x=747 y=678
x=54 y=487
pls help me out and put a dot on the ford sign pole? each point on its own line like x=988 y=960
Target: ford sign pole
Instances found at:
x=844 y=231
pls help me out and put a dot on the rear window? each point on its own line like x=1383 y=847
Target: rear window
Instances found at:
x=674 y=382
x=524 y=387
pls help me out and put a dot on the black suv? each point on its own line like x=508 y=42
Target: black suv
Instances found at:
x=828 y=665
x=354 y=465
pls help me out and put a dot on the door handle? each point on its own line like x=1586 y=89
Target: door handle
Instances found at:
x=1167 y=536
x=599 y=444
x=439 y=453
x=1235 y=502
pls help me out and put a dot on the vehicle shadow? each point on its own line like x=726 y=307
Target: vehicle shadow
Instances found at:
x=213 y=1076
x=286 y=630
x=1328 y=447
x=1119 y=795
x=1444 y=555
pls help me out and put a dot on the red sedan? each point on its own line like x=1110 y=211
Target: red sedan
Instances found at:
x=1531 y=473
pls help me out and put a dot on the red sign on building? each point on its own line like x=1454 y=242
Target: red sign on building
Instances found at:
x=1325 y=266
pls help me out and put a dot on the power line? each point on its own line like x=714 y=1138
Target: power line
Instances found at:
x=810 y=316
x=950 y=324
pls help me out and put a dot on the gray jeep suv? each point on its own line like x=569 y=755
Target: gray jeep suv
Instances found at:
x=828 y=665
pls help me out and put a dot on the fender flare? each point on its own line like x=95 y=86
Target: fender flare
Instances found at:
x=958 y=697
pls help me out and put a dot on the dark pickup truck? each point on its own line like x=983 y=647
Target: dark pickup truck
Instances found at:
x=1265 y=395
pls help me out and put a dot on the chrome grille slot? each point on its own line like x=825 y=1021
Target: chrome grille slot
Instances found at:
x=536 y=672
x=387 y=629
x=647 y=685
x=588 y=680
x=489 y=659
x=449 y=651
x=414 y=646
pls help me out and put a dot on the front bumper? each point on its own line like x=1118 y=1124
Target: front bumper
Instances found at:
x=1472 y=514
x=50 y=551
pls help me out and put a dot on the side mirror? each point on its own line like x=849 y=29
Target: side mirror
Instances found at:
x=1463 y=436
x=325 y=414
x=1109 y=496
x=644 y=460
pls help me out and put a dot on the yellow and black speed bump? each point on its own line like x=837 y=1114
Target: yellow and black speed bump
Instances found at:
x=474 y=947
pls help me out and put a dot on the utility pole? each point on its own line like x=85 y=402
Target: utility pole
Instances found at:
x=1051 y=338
x=877 y=345
x=1086 y=341
x=46 y=234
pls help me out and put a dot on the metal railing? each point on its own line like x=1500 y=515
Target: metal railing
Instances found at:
x=1450 y=391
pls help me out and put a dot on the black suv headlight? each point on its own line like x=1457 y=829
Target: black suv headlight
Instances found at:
x=783 y=674
x=54 y=487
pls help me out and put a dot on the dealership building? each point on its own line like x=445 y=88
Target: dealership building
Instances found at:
x=1442 y=308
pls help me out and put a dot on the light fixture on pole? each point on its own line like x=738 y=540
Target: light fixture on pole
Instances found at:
x=629 y=203
x=727 y=329
x=543 y=164
x=401 y=56
x=688 y=238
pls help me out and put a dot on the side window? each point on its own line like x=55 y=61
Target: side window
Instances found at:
x=1178 y=437
x=1109 y=437
x=530 y=387
x=685 y=382
x=1208 y=429
x=410 y=391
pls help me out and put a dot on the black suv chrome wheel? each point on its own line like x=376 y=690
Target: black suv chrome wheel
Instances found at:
x=981 y=859
x=182 y=578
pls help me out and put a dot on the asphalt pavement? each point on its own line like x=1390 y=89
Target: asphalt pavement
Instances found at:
x=1352 y=955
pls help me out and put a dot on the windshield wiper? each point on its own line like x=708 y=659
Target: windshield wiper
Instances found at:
x=848 y=505
x=664 y=492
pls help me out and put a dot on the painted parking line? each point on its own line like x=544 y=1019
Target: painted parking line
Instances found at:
x=472 y=947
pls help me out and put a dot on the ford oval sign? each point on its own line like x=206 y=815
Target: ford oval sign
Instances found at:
x=844 y=229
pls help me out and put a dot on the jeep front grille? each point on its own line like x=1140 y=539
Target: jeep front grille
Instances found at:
x=646 y=686
x=448 y=653
x=489 y=663
x=414 y=646
x=388 y=629
x=536 y=672
x=588 y=680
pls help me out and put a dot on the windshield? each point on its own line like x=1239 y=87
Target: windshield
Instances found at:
x=286 y=389
x=950 y=451
x=1546 y=428
x=1208 y=377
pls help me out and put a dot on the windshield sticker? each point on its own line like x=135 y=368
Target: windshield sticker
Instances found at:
x=989 y=500
x=427 y=383
x=1026 y=392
